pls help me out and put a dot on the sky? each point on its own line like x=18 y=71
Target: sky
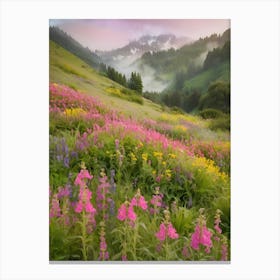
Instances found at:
x=107 y=34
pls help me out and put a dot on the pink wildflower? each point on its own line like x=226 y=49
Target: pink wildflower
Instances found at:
x=102 y=190
x=172 y=232
x=157 y=198
x=224 y=252
x=64 y=192
x=80 y=179
x=185 y=252
x=207 y=250
x=161 y=234
x=217 y=224
x=140 y=202
x=91 y=223
x=117 y=142
x=84 y=201
x=55 y=208
x=126 y=212
x=124 y=258
x=122 y=212
x=158 y=178
x=104 y=255
x=201 y=236
x=131 y=214
x=164 y=232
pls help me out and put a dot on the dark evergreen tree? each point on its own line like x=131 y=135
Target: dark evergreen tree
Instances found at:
x=135 y=82
x=217 y=97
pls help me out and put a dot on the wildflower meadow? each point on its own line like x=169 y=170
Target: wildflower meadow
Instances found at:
x=125 y=189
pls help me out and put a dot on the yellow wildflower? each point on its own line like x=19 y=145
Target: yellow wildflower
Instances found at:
x=145 y=157
x=158 y=155
x=168 y=173
x=172 y=155
x=132 y=157
x=74 y=112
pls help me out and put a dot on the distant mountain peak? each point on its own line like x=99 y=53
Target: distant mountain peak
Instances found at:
x=146 y=43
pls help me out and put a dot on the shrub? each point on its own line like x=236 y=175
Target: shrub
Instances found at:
x=211 y=114
x=220 y=123
x=176 y=109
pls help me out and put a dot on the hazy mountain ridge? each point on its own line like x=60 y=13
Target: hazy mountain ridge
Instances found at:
x=190 y=55
x=146 y=43
x=159 y=58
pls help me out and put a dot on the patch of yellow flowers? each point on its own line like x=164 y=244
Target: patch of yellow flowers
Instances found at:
x=114 y=91
x=173 y=156
x=133 y=157
x=180 y=128
x=175 y=119
x=158 y=155
x=145 y=157
x=168 y=173
x=210 y=167
x=74 y=112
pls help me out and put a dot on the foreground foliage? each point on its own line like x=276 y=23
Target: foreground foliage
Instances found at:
x=128 y=190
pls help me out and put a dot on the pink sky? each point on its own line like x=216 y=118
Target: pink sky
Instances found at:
x=106 y=34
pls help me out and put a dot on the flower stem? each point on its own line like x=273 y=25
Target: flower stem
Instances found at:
x=84 y=235
x=135 y=236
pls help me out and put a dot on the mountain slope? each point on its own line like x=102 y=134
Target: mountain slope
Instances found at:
x=67 y=42
x=191 y=55
x=67 y=69
x=204 y=79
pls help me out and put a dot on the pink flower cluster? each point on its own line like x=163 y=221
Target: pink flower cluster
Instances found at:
x=140 y=202
x=166 y=231
x=156 y=201
x=64 y=192
x=80 y=179
x=104 y=255
x=84 y=202
x=217 y=223
x=63 y=97
x=55 y=210
x=126 y=212
x=102 y=190
x=91 y=223
x=201 y=236
x=224 y=252
x=85 y=194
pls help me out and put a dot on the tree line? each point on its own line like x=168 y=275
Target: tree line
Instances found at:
x=134 y=82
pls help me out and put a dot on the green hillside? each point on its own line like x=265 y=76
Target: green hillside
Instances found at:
x=67 y=69
x=202 y=81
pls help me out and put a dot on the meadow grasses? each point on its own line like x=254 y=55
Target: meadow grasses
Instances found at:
x=130 y=189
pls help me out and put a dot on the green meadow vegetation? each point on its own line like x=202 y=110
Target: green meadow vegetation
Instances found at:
x=131 y=179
